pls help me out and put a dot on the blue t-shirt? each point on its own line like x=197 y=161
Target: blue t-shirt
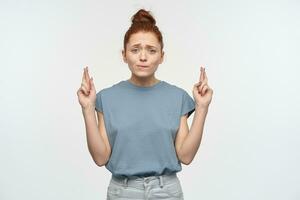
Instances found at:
x=141 y=125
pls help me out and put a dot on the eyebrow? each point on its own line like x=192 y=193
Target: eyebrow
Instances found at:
x=146 y=45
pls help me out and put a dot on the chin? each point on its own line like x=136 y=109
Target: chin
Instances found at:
x=142 y=74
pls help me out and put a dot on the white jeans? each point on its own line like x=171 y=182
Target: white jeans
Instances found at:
x=166 y=187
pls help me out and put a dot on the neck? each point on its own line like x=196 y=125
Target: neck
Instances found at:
x=144 y=82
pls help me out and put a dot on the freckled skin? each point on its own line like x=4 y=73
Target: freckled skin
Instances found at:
x=143 y=48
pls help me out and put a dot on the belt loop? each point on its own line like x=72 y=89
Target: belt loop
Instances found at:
x=125 y=181
x=161 y=181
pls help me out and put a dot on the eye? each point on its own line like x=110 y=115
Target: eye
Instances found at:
x=134 y=50
x=152 y=51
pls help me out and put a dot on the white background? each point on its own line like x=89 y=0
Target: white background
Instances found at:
x=250 y=144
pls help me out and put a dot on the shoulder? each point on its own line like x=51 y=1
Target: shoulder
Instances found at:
x=175 y=88
x=109 y=89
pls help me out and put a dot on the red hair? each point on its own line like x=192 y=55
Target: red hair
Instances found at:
x=142 y=20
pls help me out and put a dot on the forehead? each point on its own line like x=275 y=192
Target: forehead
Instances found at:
x=143 y=38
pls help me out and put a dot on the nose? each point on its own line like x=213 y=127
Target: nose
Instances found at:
x=143 y=56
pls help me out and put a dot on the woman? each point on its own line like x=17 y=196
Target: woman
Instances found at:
x=142 y=135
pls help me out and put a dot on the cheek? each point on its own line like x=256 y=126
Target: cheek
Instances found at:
x=156 y=61
x=130 y=61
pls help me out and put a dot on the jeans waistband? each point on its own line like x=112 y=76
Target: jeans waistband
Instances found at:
x=140 y=182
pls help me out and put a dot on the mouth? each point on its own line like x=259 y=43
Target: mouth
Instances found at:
x=142 y=66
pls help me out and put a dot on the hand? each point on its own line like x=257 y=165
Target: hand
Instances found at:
x=87 y=92
x=202 y=93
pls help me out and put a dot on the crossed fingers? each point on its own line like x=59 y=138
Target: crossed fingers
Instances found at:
x=202 y=85
x=85 y=84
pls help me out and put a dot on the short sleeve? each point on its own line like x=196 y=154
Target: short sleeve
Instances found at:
x=98 y=104
x=188 y=104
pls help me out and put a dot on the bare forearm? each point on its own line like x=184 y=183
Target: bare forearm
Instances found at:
x=95 y=142
x=192 y=142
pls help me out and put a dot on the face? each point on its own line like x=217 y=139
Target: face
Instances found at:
x=143 y=54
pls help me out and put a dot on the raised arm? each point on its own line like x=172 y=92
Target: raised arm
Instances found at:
x=188 y=141
x=97 y=144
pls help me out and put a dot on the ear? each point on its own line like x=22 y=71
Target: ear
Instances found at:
x=124 y=56
x=162 y=57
